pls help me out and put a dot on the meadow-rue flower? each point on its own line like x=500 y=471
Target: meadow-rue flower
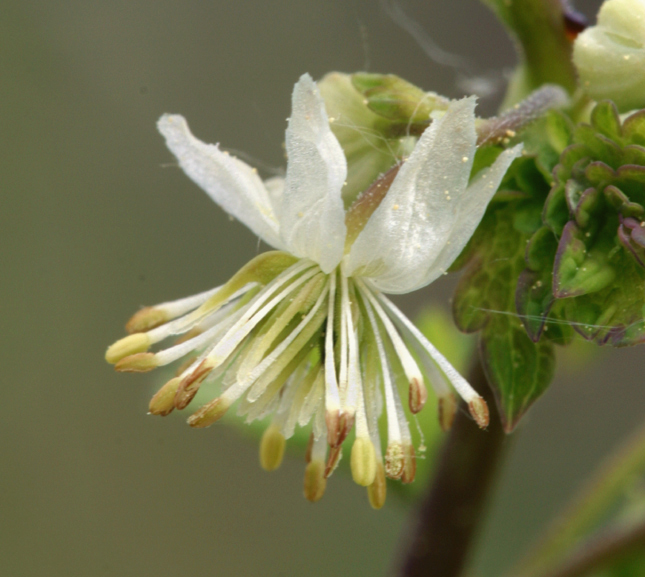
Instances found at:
x=305 y=333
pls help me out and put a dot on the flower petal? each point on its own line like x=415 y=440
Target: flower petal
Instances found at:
x=408 y=240
x=470 y=213
x=312 y=218
x=231 y=183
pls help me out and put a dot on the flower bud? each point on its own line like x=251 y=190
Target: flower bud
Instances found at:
x=610 y=57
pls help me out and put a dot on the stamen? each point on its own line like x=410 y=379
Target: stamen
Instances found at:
x=190 y=384
x=335 y=455
x=418 y=393
x=139 y=363
x=163 y=402
x=363 y=461
x=376 y=492
x=252 y=317
x=130 y=345
x=151 y=317
x=209 y=413
x=272 y=448
x=315 y=480
x=286 y=350
x=394 y=452
x=313 y=399
x=476 y=403
x=281 y=317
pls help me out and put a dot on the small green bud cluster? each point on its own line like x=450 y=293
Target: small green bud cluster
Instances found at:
x=588 y=260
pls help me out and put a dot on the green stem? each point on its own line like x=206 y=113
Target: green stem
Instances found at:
x=441 y=538
x=538 y=27
x=609 y=482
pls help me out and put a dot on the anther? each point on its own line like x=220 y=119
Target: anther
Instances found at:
x=479 y=410
x=138 y=363
x=130 y=345
x=272 y=448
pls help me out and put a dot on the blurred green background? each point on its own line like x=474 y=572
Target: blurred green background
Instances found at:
x=96 y=221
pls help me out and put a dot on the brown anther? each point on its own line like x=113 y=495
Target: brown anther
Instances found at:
x=335 y=453
x=332 y=419
x=417 y=395
x=146 y=319
x=190 y=384
x=447 y=410
x=209 y=413
x=479 y=410
x=137 y=363
x=409 y=464
x=345 y=424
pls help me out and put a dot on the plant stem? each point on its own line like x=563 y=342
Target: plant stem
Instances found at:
x=439 y=541
x=601 y=550
x=539 y=29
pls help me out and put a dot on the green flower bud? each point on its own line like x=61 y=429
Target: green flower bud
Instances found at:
x=610 y=57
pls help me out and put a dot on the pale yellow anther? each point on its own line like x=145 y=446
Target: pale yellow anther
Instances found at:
x=479 y=410
x=315 y=482
x=376 y=492
x=417 y=396
x=146 y=319
x=363 y=462
x=209 y=413
x=272 y=448
x=394 y=460
x=130 y=345
x=139 y=363
x=163 y=401
x=447 y=411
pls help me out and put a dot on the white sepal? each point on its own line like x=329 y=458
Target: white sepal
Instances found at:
x=231 y=183
x=312 y=216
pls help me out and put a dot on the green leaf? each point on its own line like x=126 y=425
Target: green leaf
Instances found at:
x=604 y=118
x=518 y=369
x=616 y=314
x=581 y=265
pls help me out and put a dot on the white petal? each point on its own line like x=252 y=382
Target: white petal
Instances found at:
x=231 y=183
x=470 y=214
x=402 y=239
x=275 y=188
x=312 y=218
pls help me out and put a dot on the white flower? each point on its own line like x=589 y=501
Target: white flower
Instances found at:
x=305 y=332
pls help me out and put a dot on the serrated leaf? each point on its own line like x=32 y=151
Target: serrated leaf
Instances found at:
x=604 y=118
